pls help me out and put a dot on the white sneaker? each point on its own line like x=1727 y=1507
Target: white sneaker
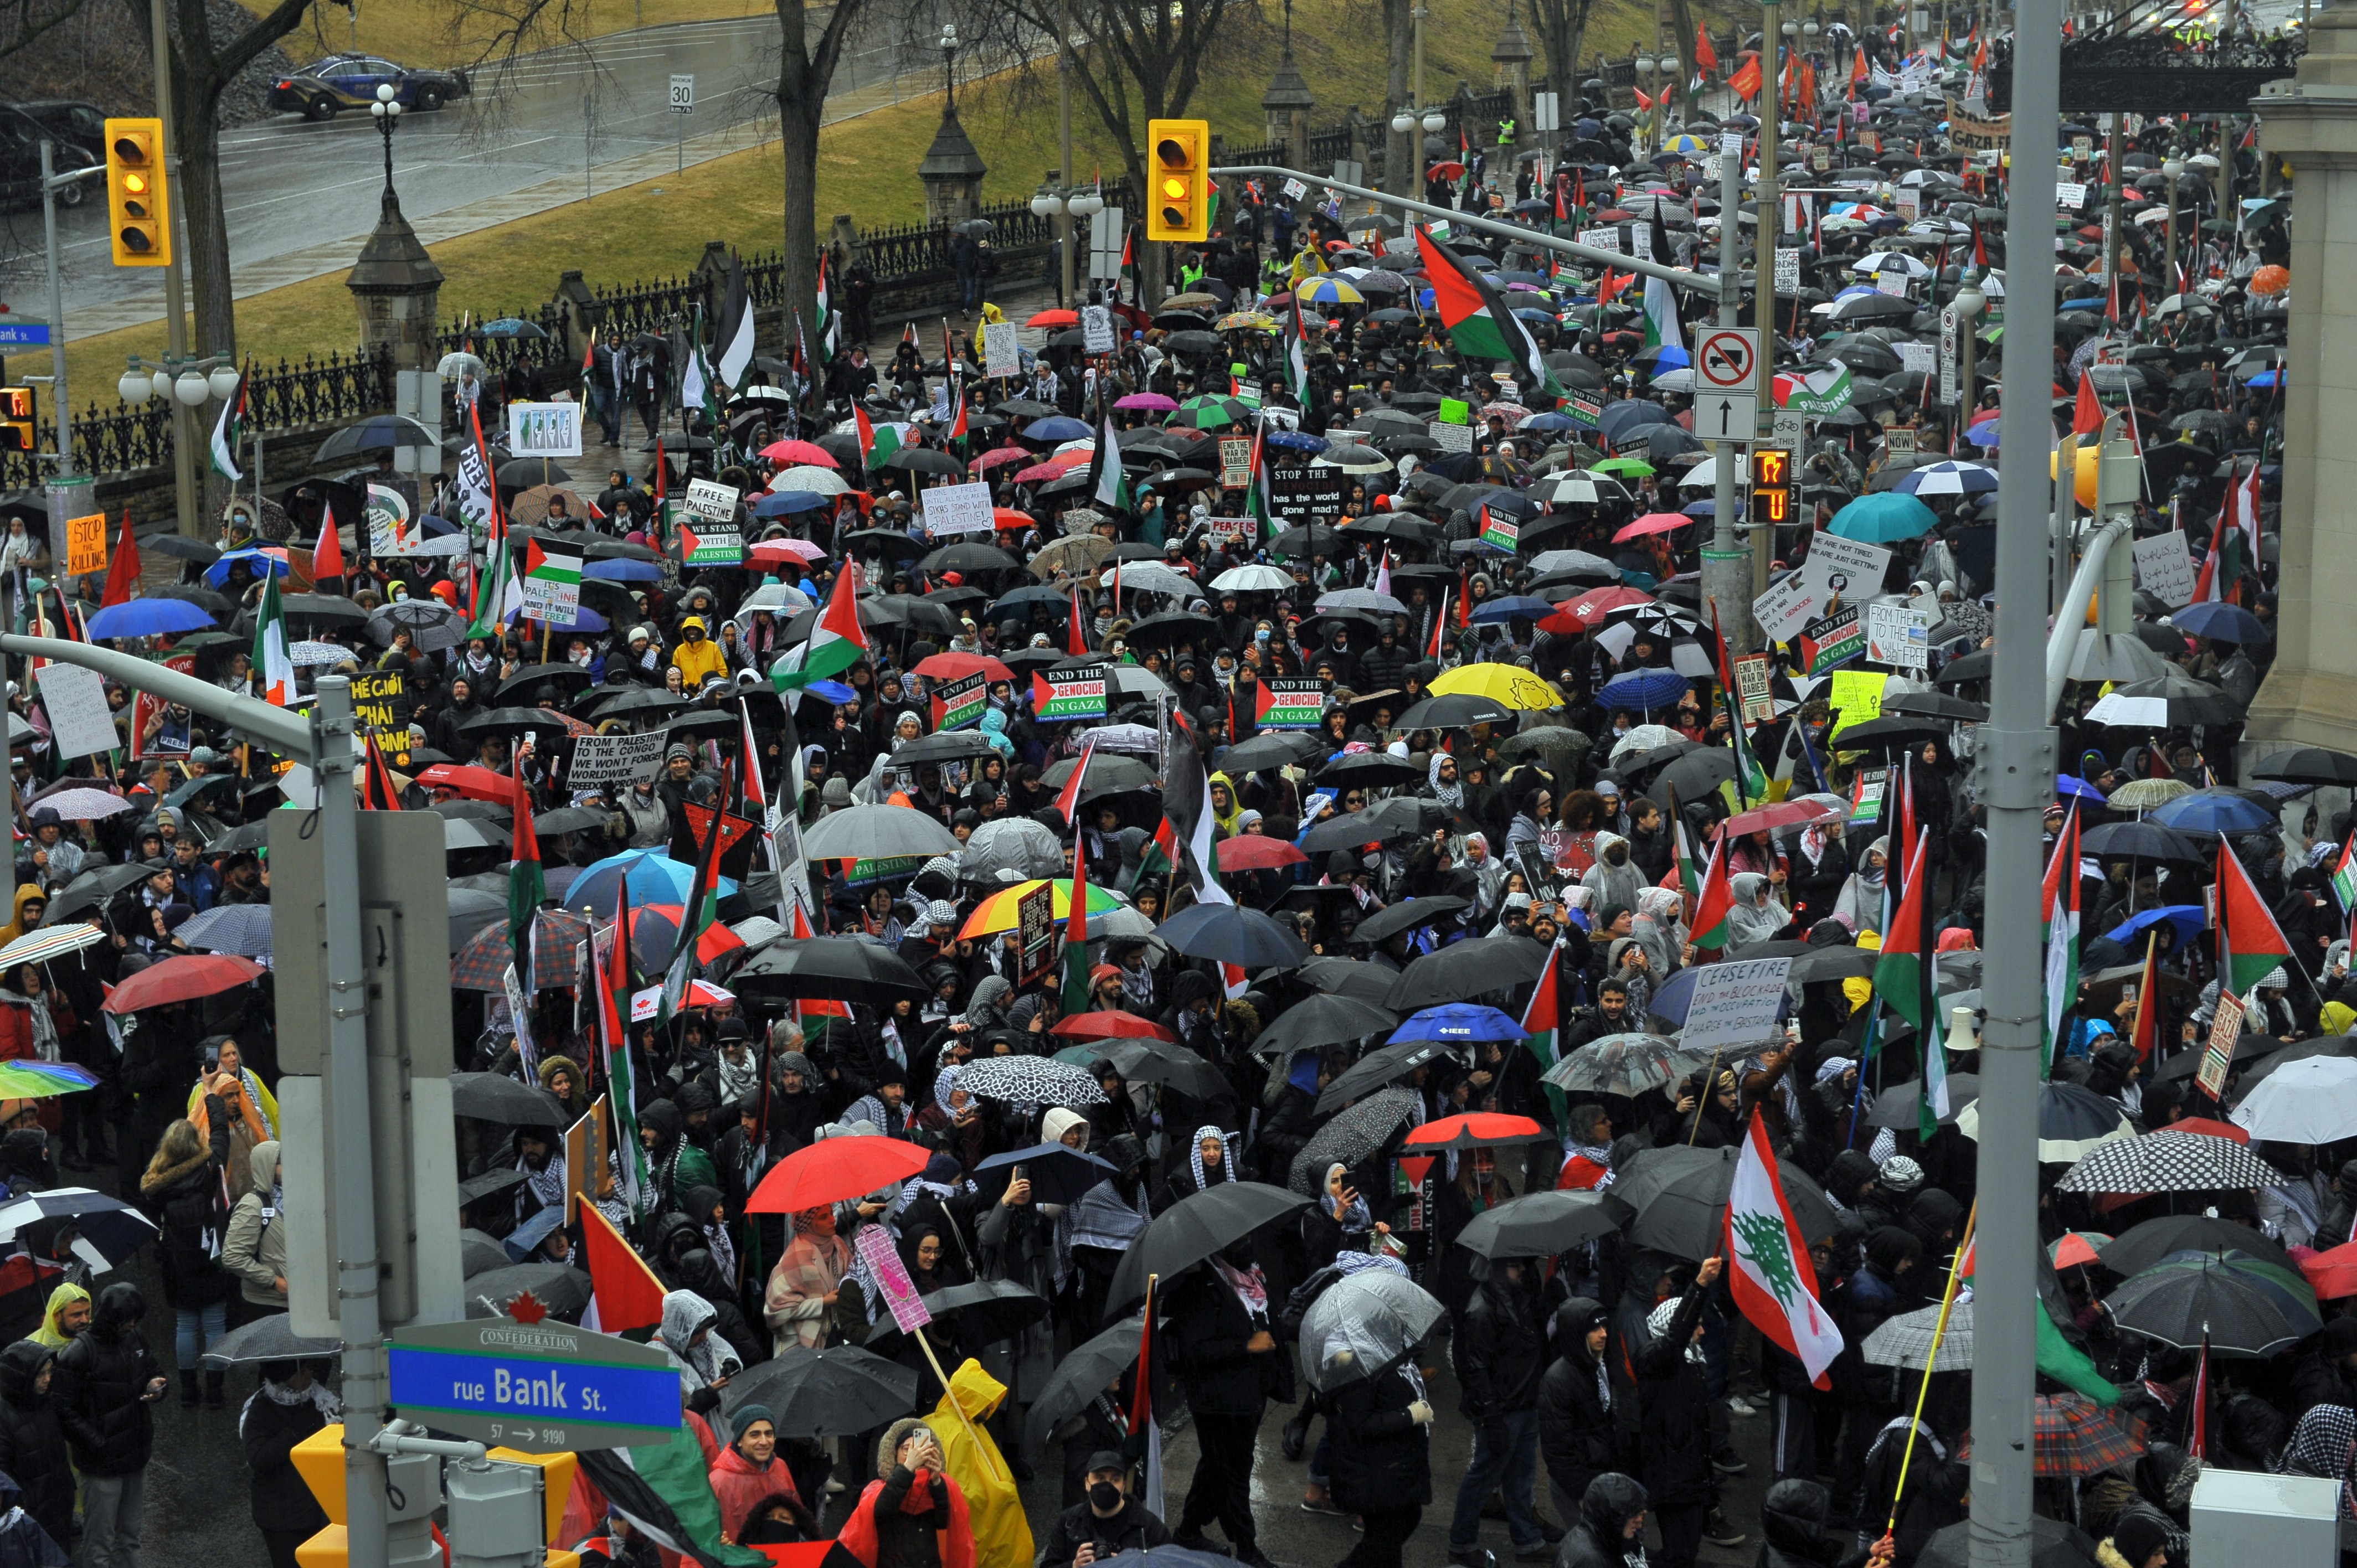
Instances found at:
x=1736 y=1405
x=834 y=1487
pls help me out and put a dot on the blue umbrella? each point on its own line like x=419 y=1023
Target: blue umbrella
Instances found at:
x=1547 y=422
x=146 y=617
x=2066 y=785
x=260 y=563
x=623 y=571
x=2221 y=623
x=785 y=503
x=1457 y=1021
x=1700 y=509
x=1984 y=434
x=1884 y=518
x=1522 y=605
x=2187 y=920
x=584 y=619
x=655 y=878
x=1056 y=428
x=830 y=692
x=1646 y=689
x=2205 y=812
x=1677 y=994
x=1297 y=441
x=1619 y=420
x=2267 y=379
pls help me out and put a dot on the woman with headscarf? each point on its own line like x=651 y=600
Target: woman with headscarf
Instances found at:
x=251 y=1110
x=801 y=1291
x=1858 y=906
x=2324 y=1445
x=690 y=1338
x=1754 y=917
x=1211 y=1160
x=1486 y=873
x=1656 y=928
x=1191 y=1016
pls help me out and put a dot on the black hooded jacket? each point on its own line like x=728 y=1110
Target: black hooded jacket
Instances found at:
x=1501 y=1353
x=1611 y=1500
x=32 y=1444
x=1575 y=1432
x=100 y=1387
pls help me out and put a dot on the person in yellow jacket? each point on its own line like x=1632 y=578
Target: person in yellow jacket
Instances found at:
x=698 y=657
x=994 y=1505
x=67 y=1316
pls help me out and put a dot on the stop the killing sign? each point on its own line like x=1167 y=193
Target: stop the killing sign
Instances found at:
x=1728 y=358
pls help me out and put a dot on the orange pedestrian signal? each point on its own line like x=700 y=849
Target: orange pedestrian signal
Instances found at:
x=18 y=408
x=1771 y=487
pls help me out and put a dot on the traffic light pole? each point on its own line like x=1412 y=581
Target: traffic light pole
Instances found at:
x=176 y=320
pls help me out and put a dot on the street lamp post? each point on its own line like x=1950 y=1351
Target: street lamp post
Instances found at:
x=386 y=111
x=1968 y=305
x=2174 y=171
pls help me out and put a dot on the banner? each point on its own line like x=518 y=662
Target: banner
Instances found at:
x=1502 y=531
x=1825 y=643
x=1970 y=132
x=1896 y=636
x=1290 y=705
x=708 y=543
x=1078 y=694
x=958 y=508
x=1035 y=924
x=602 y=761
x=961 y=702
x=381 y=706
x=2225 y=1032
x=544 y=430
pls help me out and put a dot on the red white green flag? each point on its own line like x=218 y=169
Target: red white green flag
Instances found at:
x=1772 y=1278
x=2253 y=943
x=1477 y=321
x=1712 y=904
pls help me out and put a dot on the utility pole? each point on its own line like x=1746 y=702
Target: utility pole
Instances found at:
x=1065 y=66
x=2016 y=780
x=176 y=308
x=62 y=484
x=1726 y=580
x=1763 y=311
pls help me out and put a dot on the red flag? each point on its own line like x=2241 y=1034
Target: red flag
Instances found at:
x=123 y=572
x=624 y=1292
x=1706 y=58
x=1464 y=602
x=378 y=790
x=1078 y=642
x=328 y=555
x=1746 y=80
x=658 y=475
x=1643 y=102
x=2087 y=416
x=1439 y=623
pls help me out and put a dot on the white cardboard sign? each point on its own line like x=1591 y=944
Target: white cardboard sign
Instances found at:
x=80 y=724
x=2164 y=568
x=957 y=508
x=1735 y=1004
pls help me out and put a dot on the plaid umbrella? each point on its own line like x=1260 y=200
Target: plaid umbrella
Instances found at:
x=1351 y=1136
x=1623 y=1064
x=2167 y=1162
x=479 y=964
x=1031 y=1081
x=240 y=928
x=2076 y=1436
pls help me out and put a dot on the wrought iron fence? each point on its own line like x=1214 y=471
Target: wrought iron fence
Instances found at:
x=291 y=399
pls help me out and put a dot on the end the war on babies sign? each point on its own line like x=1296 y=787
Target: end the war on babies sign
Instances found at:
x=1077 y=693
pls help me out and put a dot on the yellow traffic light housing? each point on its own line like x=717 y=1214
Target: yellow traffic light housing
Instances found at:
x=18 y=408
x=138 y=194
x=1771 y=487
x=1178 y=173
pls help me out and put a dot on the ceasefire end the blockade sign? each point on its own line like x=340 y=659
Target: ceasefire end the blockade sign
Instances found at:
x=1734 y=1003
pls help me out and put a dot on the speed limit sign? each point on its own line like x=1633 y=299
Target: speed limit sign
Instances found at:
x=683 y=93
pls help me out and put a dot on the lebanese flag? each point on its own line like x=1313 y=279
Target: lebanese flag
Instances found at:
x=1068 y=800
x=2253 y=944
x=624 y=1294
x=1772 y=1278
x=1712 y=905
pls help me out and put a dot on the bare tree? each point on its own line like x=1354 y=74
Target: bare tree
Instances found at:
x=203 y=65
x=804 y=73
x=1563 y=28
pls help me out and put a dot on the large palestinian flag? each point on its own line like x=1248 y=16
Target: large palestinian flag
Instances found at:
x=1478 y=322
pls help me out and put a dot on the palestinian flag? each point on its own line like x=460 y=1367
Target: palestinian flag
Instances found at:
x=956 y=429
x=1257 y=496
x=1899 y=973
x=1186 y=808
x=1068 y=800
x=2344 y=875
x=272 y=661
x=2059 y=1355
x=665 y=1492
x=700 y=910
x=2251 y=944
x=1772 y=1278
x=1662 y=328
x=378 y=790
x=496 y=585
x=2060 y=904
x=876 y=442
x=1076 y=929
x=829 y=328
x=326 y=555
x=1109 y=487
x=547 y=567
x=1478 y=323
x=625 y=1296
x=526 y=886
x=1296 y=355
x=1076 y=633
x=1542 y=1018
x=2145 y=1032
x=835 y=644
x=614 y=991
x=1821 y=392
x=1712 y=904
x=229 y=431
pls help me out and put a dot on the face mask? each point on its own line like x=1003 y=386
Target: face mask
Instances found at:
x=1618 y=854
x=1104 y=1496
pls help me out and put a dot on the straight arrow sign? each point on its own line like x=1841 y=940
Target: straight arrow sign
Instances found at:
x=1727 y=416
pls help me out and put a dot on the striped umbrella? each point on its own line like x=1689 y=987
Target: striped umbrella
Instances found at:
x=51 y=941
x=998 y=912
x=28 y=1080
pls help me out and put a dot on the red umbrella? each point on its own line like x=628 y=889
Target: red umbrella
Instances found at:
x=1652 y=523
x=834 y=1170
x=1477 y=1129
x=958 y=666
x=1448 y=168
x=996 y=456
x=1782 y=814
x=2077 y=1247
x=2212 y=1128
x=1004 y=518
x=1112 y=1026
x=1055 y=318
x=1576 y=616
x=470 y=782
x=2334 y=1273
x=182 y=979
x=1256 y=852
x=1038 y=471
x=786 y=453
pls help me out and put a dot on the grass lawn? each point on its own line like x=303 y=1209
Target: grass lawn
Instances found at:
x=658 y=228
x=421 y=32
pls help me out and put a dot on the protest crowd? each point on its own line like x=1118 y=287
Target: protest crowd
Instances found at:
x=1231 y=890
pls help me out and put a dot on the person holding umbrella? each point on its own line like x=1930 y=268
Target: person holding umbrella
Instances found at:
x=1228 y=1360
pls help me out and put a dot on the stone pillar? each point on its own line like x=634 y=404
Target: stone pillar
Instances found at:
x=951 y=174
x=1512 y=55
x=398 y=290
x=2309 y=697
x=1287 y=103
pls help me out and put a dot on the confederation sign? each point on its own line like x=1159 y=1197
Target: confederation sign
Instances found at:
x=541 y=1387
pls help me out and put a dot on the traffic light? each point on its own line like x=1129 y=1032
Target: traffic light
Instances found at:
x=17 y=409
x=1771 y=487
x=138 y=196
x=1179 y=206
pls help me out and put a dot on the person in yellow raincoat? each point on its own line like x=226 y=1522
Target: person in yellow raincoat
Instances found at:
x=1001 y=1533
x=60 y=1322
x=990 y=314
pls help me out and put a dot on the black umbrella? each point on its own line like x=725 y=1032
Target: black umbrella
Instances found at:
x=2142 y=840
x=1159 y=1061
x=1192 y=1229
x=844 y=968
x=495 y=1097
x=2310 y=765
x=513 y=720
x=1463 y=971
x=1229 y=933
x=839 y=1391
x=1896 y=1107
x=1275 y=749
x=1371 y=770
x=1343 y=977
x=1458 y=710
x=92 y=890
x=2229 y=1303
x=1385 y=1064
x=270 y=1339
x=1081 y=1375
x=989 y=1311
x=375 y=434
x=1353 y=830
x=1326 y=1020
x=1058 y=1173
x=943 y=746
x=1698 y=772
x=526 y=682
x=1353 y=1136
x=560 y=1287
x=1541 y=1224
x=2140 y=1247
x=1406 y=916
x=1679 y=1196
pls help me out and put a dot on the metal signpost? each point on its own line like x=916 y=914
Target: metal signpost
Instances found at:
x=683 y=105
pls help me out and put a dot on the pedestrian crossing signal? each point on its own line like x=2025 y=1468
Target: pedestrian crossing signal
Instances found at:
x=1771 y=487
x=1178 y=201
x=17 y=409
x=138 y=194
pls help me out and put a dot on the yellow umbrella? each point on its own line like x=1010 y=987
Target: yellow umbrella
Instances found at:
x=998 y=912
x=1507 y=684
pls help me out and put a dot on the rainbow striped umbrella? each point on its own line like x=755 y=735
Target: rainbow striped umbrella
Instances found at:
x=28 y=1080
x=54 y=941
x=996 y=913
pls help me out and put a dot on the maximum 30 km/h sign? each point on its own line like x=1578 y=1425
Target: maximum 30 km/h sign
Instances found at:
x=1726 y=358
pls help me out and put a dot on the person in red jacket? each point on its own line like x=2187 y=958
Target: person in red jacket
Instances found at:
x=749 y=1470
x=913 y=1495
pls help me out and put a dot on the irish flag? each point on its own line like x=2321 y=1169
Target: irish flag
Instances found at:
x=1478 y=322
x=271 y=660
x=2253 y=944
x=835 y=643
x=1772 y=1278
x=1712 y=905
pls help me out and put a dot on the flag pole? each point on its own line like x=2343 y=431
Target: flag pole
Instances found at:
x=1939 y=1332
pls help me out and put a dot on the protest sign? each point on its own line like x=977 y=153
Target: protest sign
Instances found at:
x=381 y=706
x=1451 y=437
x=1585 y=411
x=960 y=703
x=1751 y=685
x=605 y=761
x=1070 y=693
x=1788 y=272
x=159 y=728
x=390 y=530
x=1002 y=357
x=1235 y=462
x=85 y=544
x=707 y=544
x=1502 y=531
x=545 y=429
x=876 y=1247
x=1894 y=635
x=80 y=723
x=1604 y=237
x=552 y=585
x=1735 y=1004
x=1827 y=642
x=1846 y=568
x=1096 y=329
x=1866 y=797
x=587 y=1144
x=2164 y=569
x=1454 y=411
x=1290 y=705
x=958 y=508
x=715 y=503
x=2225 y=1033
x=1856 y=696
x=1035 y=924
x=1789 y=603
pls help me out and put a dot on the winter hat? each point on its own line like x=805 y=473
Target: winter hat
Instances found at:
x=835 y=793
x=745 y=1415
x=2137 y=1536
